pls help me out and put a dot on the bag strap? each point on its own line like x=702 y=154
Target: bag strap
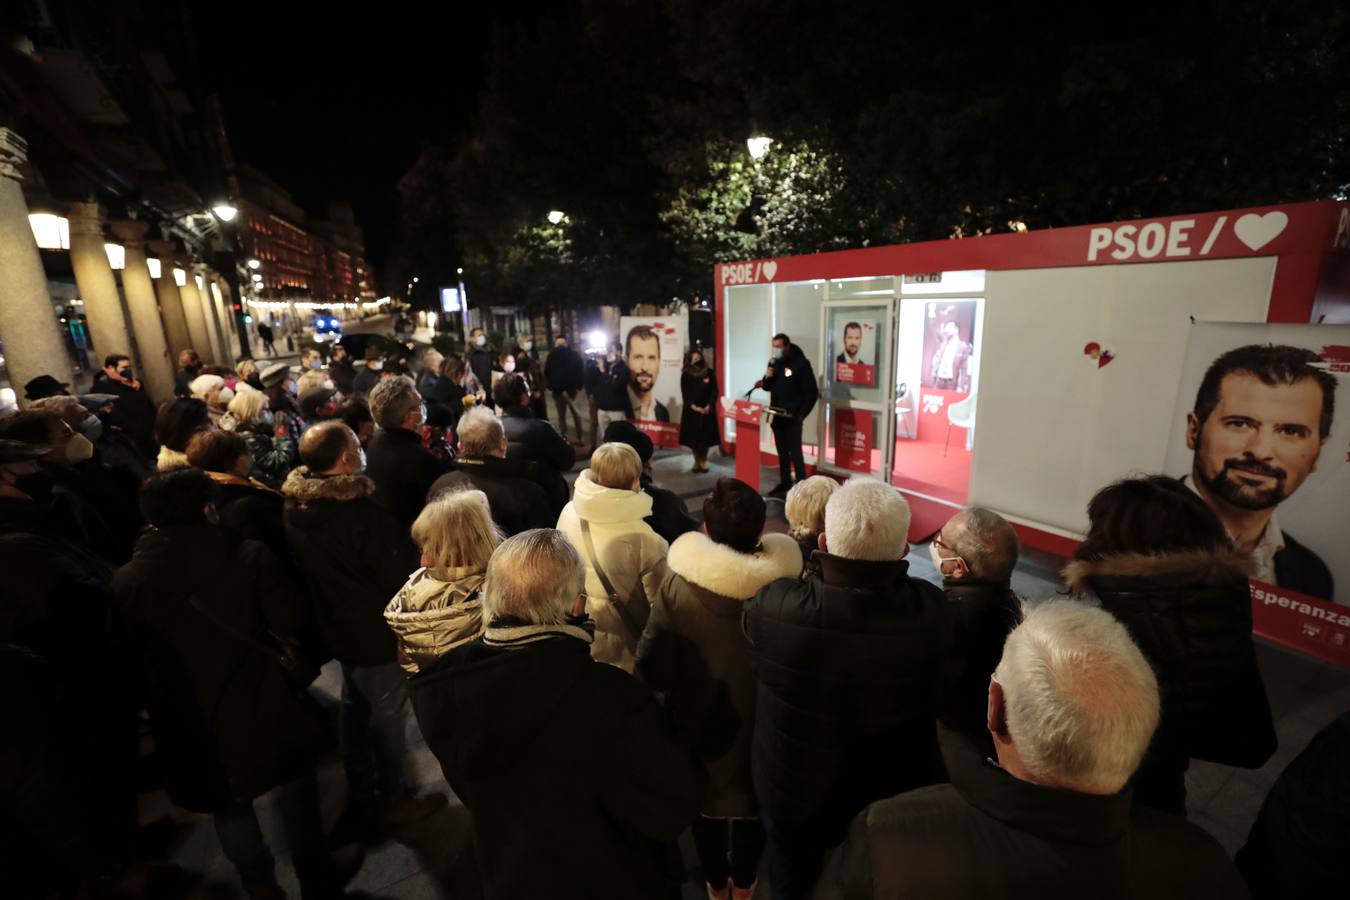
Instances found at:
x=594 y=559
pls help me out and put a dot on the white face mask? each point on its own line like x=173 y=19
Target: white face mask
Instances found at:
x=226 y=395
x=79 y=448
x=92 y=427
x=938 y=559
x=527 y=345
x=777 y=352
x=509 y=365
x=480 y=341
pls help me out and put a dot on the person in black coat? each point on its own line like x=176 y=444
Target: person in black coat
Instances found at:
x=189 y=367
x=366 y=378
x=791 y=384
x=534 y=441
x=249 y=508
x=1070 y=712
x=341 y=370
x=133 y=409
x=975 y=552
x=1158 y=558
x=355 y=556
x=449 y=391
x=575 y=788
x=480 y=359
x=608 y=386
x=400 y=466
x=517 y=502
x=670 y=516
x=849 y=668
x=566 y=376
x=208 y=615
x=699 y=422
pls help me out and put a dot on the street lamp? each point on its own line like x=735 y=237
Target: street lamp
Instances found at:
x=555 y=216
x=117 y=255
x=179 y=277
x=154 y=266
x=254 y=263
x=758 y=146
x=225 y=212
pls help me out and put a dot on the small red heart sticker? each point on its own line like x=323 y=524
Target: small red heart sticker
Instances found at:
x=1105 y=357
x=1092 y=349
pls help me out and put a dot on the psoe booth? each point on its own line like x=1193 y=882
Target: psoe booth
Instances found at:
x=1024 y=371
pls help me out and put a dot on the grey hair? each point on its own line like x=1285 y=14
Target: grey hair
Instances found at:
x=866 y=519
x=534 y=577
x=987 y=542
x=1080 y=699
x=480 y=432
x=392 y=399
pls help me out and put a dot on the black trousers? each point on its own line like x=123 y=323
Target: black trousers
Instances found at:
x=729 y=849
x=787 y=439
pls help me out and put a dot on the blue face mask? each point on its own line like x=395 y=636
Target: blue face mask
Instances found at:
x=777 y=352
x=92 y=428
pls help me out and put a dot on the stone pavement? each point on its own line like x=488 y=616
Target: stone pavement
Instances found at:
x=429 y=860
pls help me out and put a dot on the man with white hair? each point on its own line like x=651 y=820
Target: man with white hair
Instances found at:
x=849 y=666
x=402 y=469
x=564 y=762
x=516 y=501
x=975 y=553
x=1072 y=708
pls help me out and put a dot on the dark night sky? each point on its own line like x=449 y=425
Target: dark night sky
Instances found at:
x=337 y=107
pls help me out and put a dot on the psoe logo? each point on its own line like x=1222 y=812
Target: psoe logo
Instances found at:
x=932 y=403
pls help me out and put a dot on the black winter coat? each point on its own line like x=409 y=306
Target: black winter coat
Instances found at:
x=699 y=429
x=133 y=410
x=535 y=440
x=402 y=470
x=1191 y=615
x=670 y=516
x=227 y=722
x=575 y=789
x=849 y=671
x=792 y=385
x=983 y=613
x=518 y=503
x=988 y=835
x=355 y=557
x=480 y=364
x=609 y=389
x=563 y=370
x=251 y=510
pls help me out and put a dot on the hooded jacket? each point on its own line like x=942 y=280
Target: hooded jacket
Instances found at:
x=693 y=652
x=435 y=612
x=575 y=789
x=1191 y=615
x=632 y=556
x=355 y=556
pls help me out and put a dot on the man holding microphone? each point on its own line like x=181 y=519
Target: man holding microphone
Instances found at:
x=791 y=384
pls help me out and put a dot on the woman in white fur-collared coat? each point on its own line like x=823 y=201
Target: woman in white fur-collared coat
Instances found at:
x=693 y=651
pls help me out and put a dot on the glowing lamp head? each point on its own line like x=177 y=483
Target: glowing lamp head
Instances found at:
x=758 y=146
x=555 y=216
x=225 y=212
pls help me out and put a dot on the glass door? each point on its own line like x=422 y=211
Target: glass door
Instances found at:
x=856 y=430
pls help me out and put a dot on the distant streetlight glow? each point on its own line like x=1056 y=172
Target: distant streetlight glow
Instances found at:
x=117 y=255
x=459 y=271
x=758 y=146
x=415 y=279
x=257 y=279
x=254 y=264
x=155 y=269
x=225 y=212
x=597 y=340
x=555 y=216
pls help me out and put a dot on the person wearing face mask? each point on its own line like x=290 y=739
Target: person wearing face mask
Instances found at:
x=357 y=555
x=791 y=384
x=280 y=389
x=367 y=378
x=341 y=370
x=402 y=469
x=565 y=375
x=699 y=423
x=274 y=454
x=503 y=365
x=609 y=387
x=528 y=365
x=214 y=392
x=133 y=409
x=975 y=553
x=480 y=358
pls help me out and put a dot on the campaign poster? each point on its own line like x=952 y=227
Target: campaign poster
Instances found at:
x=853 y=439
x=1259 y=434
x=948 y=344
x=856 y=340
x=653 y=349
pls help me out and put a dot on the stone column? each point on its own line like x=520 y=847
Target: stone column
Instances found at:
x=226 y=316
x=227 y=305
x=96 y=283
x=195 y=314
x=33 y=342
x=170 y=302
x=212 y=313
x=156 y=367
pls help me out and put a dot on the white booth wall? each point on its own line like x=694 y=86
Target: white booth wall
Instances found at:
x=1054 y=427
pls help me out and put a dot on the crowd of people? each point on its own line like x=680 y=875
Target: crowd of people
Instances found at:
x=597 y=670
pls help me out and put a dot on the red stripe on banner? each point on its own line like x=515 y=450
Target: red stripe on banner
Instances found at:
x=663 y=434
x=1302 y=623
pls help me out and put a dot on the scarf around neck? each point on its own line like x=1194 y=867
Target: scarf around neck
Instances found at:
x=513 y=634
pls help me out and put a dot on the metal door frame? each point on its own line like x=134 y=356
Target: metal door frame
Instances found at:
x=888 y=303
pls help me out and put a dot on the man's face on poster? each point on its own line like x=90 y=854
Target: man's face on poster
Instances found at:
x=644 y=362
x=1260 y=442
x=852 y=339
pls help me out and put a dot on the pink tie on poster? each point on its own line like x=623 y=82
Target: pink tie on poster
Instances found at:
x=853 y=439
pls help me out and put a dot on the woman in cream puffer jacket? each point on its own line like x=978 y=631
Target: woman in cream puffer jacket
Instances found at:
x=608 y=499
x=440 y=606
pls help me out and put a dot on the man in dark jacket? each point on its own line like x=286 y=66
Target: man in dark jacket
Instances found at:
x=203 y=607
x=575 y=788
x=609 y=387
x=565 y=376
x=366 y=379
x=400 y=466
x=480 y=359
x=975 y=553
x=670 y=516
x=189 y=367
x=533 y=440
x=133 y=409
x=1071 y=710
x=849 y=667
x=518 y=503
x=355 y=556
x=791 y=384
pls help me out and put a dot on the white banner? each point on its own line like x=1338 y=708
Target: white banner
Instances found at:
x=653 y=348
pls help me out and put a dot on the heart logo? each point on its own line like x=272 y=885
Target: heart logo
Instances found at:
x=770 y=268
x=1095 y=351
x=1105 y=357
x=1257 y=231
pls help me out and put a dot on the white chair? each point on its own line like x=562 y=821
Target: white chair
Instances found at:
x=902 y=408
x=962 y=415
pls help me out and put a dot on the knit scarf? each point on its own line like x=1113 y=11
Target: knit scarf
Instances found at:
x=506 y=633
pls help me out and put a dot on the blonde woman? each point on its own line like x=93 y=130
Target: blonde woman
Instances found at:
x=625 y=560
x=274 y=453
x=805 y=511
x=440 y=606
x=310 y=379
x=249 y=377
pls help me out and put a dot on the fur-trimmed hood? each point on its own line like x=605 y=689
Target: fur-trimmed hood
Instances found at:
x=715 y=567
x=171 y=459
x=1191 y=566
x=303 y=487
